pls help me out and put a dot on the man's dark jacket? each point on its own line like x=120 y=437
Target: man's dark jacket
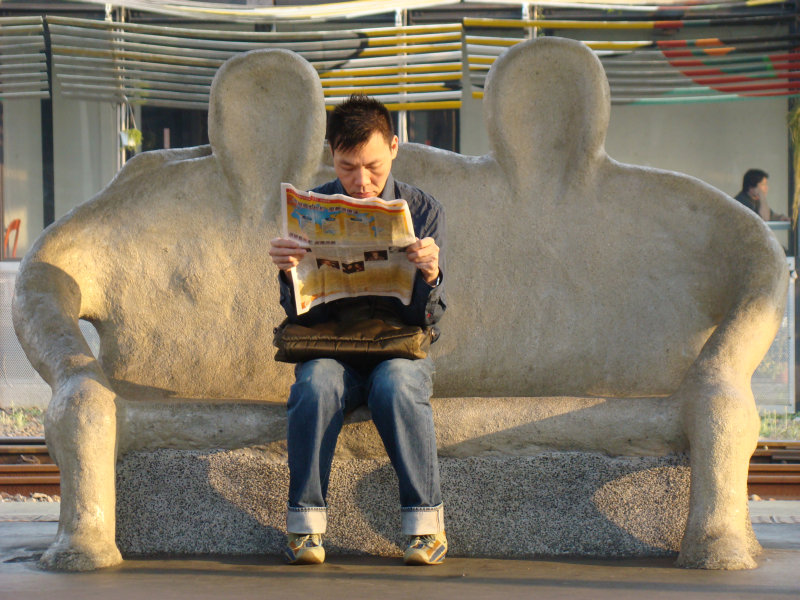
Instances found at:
x=427 y=302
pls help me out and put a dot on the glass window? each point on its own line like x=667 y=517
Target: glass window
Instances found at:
x=22 y=186
x=173 y=127
x=434 y=128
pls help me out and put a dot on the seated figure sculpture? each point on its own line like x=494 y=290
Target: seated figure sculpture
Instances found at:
x=574 y=276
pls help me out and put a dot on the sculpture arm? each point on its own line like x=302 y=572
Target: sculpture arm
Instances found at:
x=719 y=413
x=46 y=309
x=80 y=422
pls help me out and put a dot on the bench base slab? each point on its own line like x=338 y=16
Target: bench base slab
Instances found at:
x=233 y=502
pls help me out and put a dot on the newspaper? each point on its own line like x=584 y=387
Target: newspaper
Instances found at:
x=356 y=247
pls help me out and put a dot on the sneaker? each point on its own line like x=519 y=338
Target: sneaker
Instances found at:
x=304 y=549
x=426 y=549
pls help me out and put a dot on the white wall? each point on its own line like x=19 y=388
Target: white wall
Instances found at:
x=85 y=147
x=22 y=169
x=474 y=140
x=85 y=150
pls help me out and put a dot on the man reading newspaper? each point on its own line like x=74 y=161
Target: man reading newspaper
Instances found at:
x=397 y=391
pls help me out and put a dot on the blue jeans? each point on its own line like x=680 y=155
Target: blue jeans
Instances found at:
x=397 y=392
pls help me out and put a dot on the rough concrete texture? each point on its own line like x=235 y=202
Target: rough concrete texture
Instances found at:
x=555 y=503
x=464 y=426
x=570 y=275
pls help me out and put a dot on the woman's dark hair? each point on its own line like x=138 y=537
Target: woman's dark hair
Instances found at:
x=752 y=178
x=353 y=122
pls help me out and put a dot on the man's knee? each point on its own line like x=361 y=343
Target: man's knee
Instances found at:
x=400 y=381
x=318 y=384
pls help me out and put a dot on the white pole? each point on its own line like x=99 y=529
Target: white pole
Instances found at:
x=122 y=110
x=401 y=20
x=526 y=14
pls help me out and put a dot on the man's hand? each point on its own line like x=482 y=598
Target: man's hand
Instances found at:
x=286 y=253
x=424 y=253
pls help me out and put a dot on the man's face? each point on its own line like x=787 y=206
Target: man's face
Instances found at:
x=363 y=171
x=762 y=188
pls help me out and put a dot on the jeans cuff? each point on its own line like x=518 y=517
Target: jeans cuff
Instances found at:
x=307 y=519
x=422 y=520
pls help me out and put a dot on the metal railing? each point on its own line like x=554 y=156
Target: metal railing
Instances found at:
x=23 y=60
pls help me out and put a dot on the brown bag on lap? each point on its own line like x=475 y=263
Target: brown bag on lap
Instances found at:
x=360 y=343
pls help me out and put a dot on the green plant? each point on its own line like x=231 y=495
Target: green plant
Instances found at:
x=20 y=418
x=131 y=138
x=794 y=135
x=780 y=426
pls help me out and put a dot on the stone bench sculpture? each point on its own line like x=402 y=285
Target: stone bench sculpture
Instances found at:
x=604 y=321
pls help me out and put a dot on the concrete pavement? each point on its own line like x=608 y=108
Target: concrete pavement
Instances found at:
x=27 y=528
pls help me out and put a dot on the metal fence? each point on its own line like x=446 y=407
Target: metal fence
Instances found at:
x=773 y=382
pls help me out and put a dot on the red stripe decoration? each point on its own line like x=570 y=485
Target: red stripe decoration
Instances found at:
x=668 y=24
x=708 y=51
x=782 y=70
x=696 y=62
x=712 y=81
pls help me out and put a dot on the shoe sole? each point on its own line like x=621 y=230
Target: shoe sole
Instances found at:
x=419 y=559
x=305 y=558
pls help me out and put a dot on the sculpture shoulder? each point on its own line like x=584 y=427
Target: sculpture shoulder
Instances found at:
x=146 y=162
x=662 y=188
x=445 y=175
x=689 y=215
x=147 y=180
x=414 y=160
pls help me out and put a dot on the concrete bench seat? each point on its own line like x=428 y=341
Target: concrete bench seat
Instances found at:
x=500 y=474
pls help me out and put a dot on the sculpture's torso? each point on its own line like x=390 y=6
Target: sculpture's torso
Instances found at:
x=561 y=287
x=568 y=273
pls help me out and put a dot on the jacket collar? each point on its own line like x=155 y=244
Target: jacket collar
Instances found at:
x=388 y=190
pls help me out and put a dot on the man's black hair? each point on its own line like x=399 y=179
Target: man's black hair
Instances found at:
x=752 y=178
x=353 y=122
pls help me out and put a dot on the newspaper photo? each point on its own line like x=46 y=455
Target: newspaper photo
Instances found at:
x=356 y=247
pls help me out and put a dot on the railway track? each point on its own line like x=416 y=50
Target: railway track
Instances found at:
x=775 y=470
x=26 y=467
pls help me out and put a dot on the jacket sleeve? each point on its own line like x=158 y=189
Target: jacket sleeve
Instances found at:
x=428 y=302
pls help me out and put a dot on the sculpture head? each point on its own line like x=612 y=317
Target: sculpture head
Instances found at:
x=547 y=104
x=266 y=123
